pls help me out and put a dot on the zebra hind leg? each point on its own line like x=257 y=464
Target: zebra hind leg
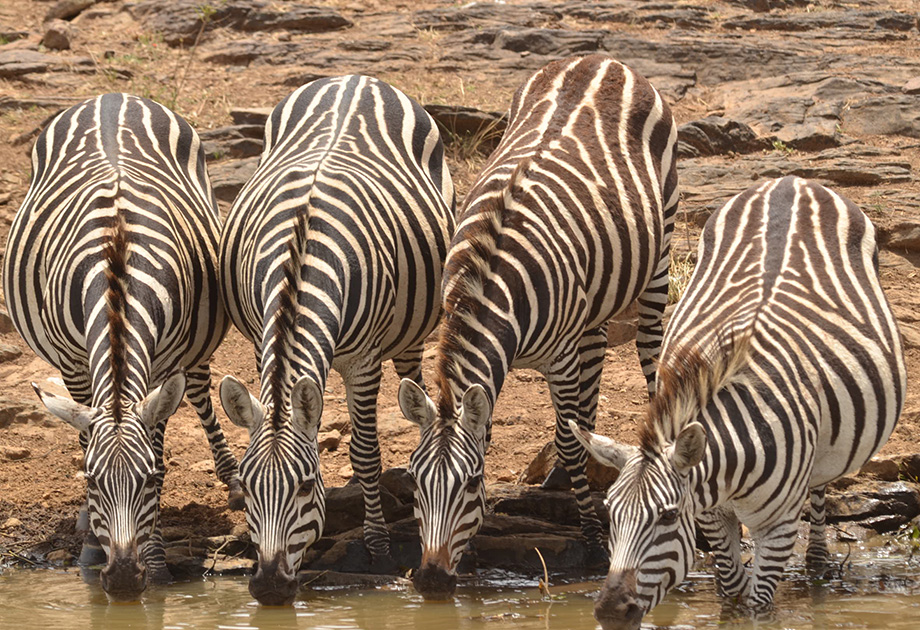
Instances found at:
x=361 y=388
x=723 y=531
x=816 y=555
x=651 y=304
x=198 y=392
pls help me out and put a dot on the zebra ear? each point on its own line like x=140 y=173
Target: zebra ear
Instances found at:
x=606 y=451
x=76 y=415
x=415 y=404
x=243 y=409
x=689 y=447
x=306 y=406
x=162 y=402
x=477 y=409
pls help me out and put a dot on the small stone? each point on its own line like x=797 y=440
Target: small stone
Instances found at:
x=11 y=523
x=338 y=423
x=9 y=353
x=60 y=557
x=13 y=453
x=205 y=466
x=345 y=472
x=77 y=461
x=58 y=34
x=6 y=324
x=884 y=469
x=329 y=441
x=912 y=86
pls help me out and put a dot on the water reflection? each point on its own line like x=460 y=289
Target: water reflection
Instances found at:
x=879 y=590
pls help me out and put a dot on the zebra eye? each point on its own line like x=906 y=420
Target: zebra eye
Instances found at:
x=473 y=484
x=306 y=488
x=90 y=482
x=668 y=517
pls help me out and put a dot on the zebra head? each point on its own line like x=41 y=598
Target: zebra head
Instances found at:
x=651 y=522
x=123 y=475
x=447 y=469
x=281 y=483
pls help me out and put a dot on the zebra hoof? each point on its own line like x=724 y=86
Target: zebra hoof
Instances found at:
x=159 y=575
x=383 y=564
x=557 y=479
x=596 y=557
x=91 y=556
x=235 y=498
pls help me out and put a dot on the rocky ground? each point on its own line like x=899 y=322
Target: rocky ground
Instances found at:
x=761 y=88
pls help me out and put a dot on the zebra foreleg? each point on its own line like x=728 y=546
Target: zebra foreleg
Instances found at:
x=816 y=555
x=80 y=389
x=154 y=551
x=723 y=531
x=649 y=334
x=772 y=551
x=565 y=388
x=198 y=392
x=361 y=387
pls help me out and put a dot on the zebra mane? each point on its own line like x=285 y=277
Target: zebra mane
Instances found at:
x=463 y=289
x=687 y=384
x=285 y=318
x=115 y=252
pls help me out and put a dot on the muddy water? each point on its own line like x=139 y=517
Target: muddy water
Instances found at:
x=879 y=589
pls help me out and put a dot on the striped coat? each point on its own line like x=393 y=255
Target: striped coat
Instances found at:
x=568 y=224
x=782 y=370
x=111 y=277
x=331 y=259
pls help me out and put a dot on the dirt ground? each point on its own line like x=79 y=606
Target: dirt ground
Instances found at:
x=41 y=492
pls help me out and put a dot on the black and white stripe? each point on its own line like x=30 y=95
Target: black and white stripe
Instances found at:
x=782 y=370
x=331 y=259
x=568 y=224
x=111 y=276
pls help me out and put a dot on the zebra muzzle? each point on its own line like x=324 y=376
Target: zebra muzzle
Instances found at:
x=124 y=578
x=434 y=582
x=617 y=607
x=274 y=584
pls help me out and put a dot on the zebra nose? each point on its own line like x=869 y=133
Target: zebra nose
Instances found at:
x=274 y=584
x=124 y=578
x=616 y=607
x=434 y=582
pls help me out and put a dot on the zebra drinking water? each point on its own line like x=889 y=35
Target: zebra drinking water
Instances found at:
x=331 y=259
x=782 y=370
x=568 y=224
x=111 y=277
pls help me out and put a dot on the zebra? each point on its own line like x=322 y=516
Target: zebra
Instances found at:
x=111 y=277
x=782 y=369
x=568 y=224
x=331 y=259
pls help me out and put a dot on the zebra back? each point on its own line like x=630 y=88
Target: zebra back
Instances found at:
x=568 y=223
